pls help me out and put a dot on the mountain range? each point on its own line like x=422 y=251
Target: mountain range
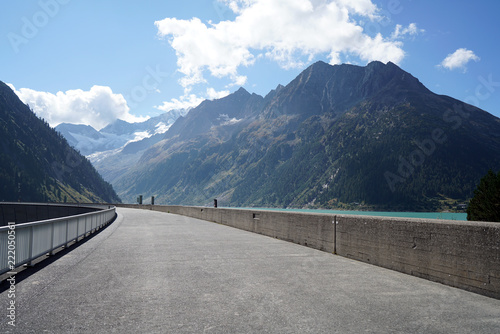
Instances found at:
x=118 y=134
x=38 y=165
x=335 y=136
x=118 y=146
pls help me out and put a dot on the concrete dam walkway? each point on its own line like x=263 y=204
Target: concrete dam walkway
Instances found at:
x=152 y=272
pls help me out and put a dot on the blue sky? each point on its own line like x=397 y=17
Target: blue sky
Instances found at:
x=92 y=61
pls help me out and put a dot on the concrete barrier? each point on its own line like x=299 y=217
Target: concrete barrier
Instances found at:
x=465 y=255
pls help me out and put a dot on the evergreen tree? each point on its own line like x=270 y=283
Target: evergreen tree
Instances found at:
x=485 y=205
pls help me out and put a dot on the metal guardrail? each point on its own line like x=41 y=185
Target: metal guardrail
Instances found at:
x=22 y=243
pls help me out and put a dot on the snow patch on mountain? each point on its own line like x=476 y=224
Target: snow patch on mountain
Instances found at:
x=162 y=128
x=225 y=120
x=114 y=137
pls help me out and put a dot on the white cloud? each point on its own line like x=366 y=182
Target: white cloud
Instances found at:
x=289 y=32
x=411 y=30
x=214 y=95
x=459 y=59
x=188 y=101
x=97 y=107
x=362 y=7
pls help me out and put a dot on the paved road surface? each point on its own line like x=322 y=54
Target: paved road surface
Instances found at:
x=152 y=272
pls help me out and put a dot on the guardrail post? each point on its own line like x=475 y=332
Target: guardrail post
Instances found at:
x=335 y=222
x=51 y=239
x=67 y=232
x=77 y=228
x=30 y=262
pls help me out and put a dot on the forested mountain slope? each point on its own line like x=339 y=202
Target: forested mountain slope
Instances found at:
x=37 y=164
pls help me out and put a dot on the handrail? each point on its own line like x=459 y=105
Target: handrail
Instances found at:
x=22 y=243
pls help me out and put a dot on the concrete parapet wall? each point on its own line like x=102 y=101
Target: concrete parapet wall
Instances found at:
x=460 y=254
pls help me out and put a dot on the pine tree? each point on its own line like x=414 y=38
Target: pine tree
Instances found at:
x=485 y=205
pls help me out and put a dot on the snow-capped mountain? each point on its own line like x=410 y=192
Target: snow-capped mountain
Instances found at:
x=117 y=135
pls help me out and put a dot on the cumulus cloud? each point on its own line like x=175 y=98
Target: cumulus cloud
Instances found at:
x=188 y=101
x=459 y=59
x=289 y=32
x=96 y=107
x=411 y=30
x=213 y=94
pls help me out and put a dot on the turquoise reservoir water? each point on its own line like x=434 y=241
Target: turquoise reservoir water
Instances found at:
x=427 y=215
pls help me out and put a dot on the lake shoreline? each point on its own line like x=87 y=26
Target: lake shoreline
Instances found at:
x=458 y=216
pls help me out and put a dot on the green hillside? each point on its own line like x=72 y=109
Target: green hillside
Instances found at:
x=38 y=165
